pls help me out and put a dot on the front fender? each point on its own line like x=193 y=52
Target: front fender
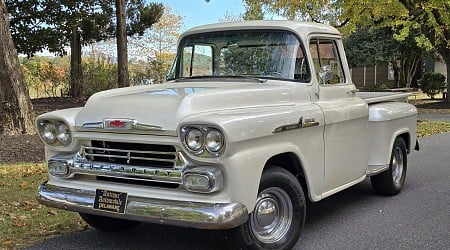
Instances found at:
x=251 y=140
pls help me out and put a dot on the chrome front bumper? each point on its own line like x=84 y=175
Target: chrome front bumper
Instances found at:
x=176 y=213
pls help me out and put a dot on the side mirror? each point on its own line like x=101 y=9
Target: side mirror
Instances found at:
x=326 y=73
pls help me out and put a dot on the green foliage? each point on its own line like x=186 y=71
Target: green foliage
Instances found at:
x=158 y=45
x=99 y=74
x=46 y=77
x=367 y=46
x=49 y=77
x=48 y=24
x=142 y=16
x=432 y=83
x=379 y=87
x=426 y=22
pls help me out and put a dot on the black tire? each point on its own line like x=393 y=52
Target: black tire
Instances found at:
x=391 y=181
x=108 y=224
x=280 y=206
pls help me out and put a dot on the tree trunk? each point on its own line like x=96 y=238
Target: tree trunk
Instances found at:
x=412 y=69
x=76 y=83
x=122 y=52
x=16 y=111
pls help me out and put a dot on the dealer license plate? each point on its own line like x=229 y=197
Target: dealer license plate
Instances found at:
x=110 y=201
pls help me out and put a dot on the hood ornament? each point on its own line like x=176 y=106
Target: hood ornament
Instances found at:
x=122 y=124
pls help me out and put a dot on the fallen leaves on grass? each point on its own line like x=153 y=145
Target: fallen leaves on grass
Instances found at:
x=23 y=221
x=427 y=128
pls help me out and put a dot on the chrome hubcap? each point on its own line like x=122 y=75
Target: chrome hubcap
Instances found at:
x=272 y=217
x=397 y=165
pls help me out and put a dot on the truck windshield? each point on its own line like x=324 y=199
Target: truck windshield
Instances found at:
x=260 y=53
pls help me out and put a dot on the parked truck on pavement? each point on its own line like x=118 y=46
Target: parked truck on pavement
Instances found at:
x=255 y=119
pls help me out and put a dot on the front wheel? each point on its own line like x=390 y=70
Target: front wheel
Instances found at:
x=108 y=224
x=279 y=214
x=391 y=181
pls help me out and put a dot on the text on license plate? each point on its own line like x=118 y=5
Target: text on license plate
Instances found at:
x=110 y=201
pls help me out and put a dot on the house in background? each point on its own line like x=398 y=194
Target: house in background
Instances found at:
x=367 y=77
x=435 y=64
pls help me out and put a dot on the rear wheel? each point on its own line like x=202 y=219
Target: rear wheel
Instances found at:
x=108 y=224
x=279 y=214
x=391 y=182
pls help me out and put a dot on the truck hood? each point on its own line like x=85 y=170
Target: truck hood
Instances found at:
x=161 y=108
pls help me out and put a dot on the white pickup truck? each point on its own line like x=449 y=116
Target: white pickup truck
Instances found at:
x=256 y=117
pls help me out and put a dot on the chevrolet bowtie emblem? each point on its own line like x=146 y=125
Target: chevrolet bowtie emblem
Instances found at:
x=118 y=123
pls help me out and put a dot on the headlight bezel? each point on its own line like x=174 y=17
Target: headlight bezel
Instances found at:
x=60 y=131
x=203 y=150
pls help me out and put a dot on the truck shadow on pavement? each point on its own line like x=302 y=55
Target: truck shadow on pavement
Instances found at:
x=149 y=236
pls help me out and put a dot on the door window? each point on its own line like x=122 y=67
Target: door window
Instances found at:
x=325 y=53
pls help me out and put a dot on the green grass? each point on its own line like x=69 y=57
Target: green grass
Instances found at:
x=427 y=127
x=23 y=221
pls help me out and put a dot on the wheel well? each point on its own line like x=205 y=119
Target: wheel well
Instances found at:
x=406 y=138
x=291 y=163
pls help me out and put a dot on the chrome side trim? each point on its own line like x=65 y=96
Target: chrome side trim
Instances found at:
x=177 y=213
x=302 y=123
x=140 y=126
x=376 y=169
x=93 y=125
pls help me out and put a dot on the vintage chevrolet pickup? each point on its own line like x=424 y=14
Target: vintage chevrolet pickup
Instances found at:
x=256 y=117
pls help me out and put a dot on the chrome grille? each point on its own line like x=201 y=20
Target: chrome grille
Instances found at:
x=136 y=154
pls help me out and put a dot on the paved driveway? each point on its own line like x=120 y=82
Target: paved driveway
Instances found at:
x=435 y=117
x=417 y=218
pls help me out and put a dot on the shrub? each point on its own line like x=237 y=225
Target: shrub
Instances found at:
x=98 y=74
x=380 y=87
x=432 y=83
x=46 y=76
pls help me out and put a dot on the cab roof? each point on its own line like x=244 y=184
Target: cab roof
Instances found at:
x=302 y=29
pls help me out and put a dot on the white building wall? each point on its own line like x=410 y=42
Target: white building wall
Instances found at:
x=440 y=67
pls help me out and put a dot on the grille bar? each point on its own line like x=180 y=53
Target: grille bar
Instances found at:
x=128 y=157
x=136 y=154
x=131 y=151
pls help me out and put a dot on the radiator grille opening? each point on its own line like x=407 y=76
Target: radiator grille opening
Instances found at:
x=136 y=154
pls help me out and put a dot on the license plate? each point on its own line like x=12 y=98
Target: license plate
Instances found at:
x=110 y=201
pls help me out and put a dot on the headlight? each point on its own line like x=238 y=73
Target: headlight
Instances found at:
x=54 y=133
x=63 y=133
x=194 y=139
x=48 y=132
x=203 y=140
x=214 y=140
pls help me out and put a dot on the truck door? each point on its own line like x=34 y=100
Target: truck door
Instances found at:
x=346 y=117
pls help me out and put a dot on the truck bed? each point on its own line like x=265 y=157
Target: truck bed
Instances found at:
x=376 y=97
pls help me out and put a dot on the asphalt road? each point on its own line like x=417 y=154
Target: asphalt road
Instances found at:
x=435 y=117
x=417 y=218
